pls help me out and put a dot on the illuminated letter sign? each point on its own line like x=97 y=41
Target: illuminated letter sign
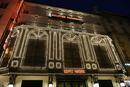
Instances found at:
x=68 y=71
x=64 y=17
x=73 y=18
x=80 y=71
x=56 y=15
x=74 y=71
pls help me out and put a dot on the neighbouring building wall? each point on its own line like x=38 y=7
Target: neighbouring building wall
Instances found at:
x=9 y=11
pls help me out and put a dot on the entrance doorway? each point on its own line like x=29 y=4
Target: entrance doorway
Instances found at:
x=71 y=84
x=71 y=81
x=31 y=83
x=105 y=83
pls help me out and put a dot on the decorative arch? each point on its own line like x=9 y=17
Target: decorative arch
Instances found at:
x=70 y=37
x=71 y=50
x=101 y=50
x=97 y=40
x=35 y=50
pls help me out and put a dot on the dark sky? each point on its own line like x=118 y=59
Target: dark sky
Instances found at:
x=121 y=7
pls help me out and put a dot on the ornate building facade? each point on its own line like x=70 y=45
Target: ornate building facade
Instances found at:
x=55 y=47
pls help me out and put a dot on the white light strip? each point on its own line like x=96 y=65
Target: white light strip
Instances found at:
x=10 y=85
x=127 y=64
x=50 y=85
x=96 y=85
x=122 y=84
x=49 y=14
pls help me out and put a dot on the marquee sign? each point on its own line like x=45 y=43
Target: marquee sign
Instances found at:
x=58 y=15
x=74 y=71
x=65 y=17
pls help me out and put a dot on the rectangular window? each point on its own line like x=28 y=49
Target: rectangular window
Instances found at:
x=102 y=57
x=31 y=83
x=35 y=55
x=71 y=55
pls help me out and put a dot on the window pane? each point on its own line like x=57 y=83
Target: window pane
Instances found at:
x=105 y=83
x=71 y=83
x=31 y=83
x=102 y=57
x=35 y=55
x=71 y=55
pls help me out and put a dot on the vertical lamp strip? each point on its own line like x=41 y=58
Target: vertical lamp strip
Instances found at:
x=83 y=48
x=109 y=51
x=51 y=46
x=60 y=46
x=89 y=53
x=55 y=45
x=47 y=49
x=91 y=49
x=114 y=55
x=16 y=52
x=87 y=50
x=23 y=42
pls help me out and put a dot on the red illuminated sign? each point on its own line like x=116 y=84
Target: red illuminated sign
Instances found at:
x=74 y=71
x=68 y=71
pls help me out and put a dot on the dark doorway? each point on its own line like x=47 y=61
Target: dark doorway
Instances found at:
x=105 y=83
x=71 y=81
x=71 y=84
x=31 y=83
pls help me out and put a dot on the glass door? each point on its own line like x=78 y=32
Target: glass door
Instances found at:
x=71 y=84
x=105 y=83
x=31 y=83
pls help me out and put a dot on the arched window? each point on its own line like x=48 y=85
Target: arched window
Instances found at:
x=102 y=52
x=71 y=51
x=35 y=50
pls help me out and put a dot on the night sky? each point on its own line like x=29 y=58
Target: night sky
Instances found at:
x=121 y=7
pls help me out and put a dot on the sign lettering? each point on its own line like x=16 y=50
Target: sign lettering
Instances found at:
x=74 y=71
x=64 y=17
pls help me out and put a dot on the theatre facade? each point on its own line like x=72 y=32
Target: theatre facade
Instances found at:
x=55 y=47
x=61 y=56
